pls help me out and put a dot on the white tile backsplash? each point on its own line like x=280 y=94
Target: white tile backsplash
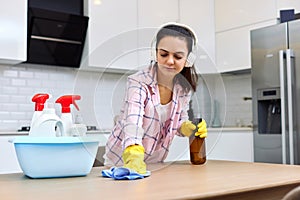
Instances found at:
x=102 y=95
x=4 y=115
x=10 y=73
x=18 y=82
x=238 y=111
x=9 y=90
x=18 y=98
x=4 y=98
x=25 y=74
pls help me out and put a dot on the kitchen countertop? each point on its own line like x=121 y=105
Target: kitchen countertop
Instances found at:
x=178 y=180
x=107 y=131
x=229 y=129
x=102 y=131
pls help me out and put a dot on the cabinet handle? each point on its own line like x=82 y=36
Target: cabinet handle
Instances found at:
x=54 y=39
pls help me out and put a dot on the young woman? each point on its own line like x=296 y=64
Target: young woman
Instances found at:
x=156 y=103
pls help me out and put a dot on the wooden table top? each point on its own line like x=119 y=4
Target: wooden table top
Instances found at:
x=177 y=180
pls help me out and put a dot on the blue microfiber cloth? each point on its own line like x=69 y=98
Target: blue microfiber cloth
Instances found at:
x=122 y=173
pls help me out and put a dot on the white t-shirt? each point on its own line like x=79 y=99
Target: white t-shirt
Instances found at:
x=165 y=111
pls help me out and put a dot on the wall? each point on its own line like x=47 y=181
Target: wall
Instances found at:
x=220 y=99
x=19 y=83
x=102 y=94
x=236 y=110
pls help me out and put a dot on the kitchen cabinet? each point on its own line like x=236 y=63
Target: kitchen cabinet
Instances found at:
x=193 y=13
x=234 y=144
x=123 y=43
x=199 y=15
x=233 y=47
x=234 y=20
x=8 y=158
x=151 y=15
x=111 y=35
x=232 y=14
x=287 y=4
x=156 y=12
x=102 y=137
x=13 y=32
x=179 y=149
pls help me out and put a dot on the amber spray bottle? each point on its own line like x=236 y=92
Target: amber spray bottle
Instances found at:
x=197 y=147
x=197 y=144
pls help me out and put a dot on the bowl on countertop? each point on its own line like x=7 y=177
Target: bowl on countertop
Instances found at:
x=49 y=157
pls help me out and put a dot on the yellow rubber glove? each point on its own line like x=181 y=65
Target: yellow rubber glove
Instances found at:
x=202 y=130
x=187 y=128
x=133 y=158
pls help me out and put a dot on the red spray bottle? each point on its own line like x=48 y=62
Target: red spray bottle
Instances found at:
x=44 y=121
x=39 y=100
x=66 y=116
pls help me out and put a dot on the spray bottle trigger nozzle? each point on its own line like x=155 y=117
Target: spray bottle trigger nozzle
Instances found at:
x=66 y=101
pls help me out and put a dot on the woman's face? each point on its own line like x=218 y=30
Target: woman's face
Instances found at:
x=171 y=55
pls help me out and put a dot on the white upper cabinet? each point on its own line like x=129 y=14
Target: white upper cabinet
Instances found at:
x=120 y=33
x=156 y=12
x=111 y=35
x=236 y=13
x=233 y=47
x=200 y=16
x=234 y=21
x=151 y=15
x=13 y=31
x=288 y=4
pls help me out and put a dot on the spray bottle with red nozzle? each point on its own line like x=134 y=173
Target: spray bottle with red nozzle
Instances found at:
x=39 y=100
x=66 y=115
x=44 y=121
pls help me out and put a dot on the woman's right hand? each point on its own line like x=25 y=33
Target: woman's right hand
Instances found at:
x=133 y=158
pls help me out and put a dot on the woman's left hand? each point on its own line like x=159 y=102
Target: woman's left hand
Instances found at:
x=202 y=130
x=133 y=158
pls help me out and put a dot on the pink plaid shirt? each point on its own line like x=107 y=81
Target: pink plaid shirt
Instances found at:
x=139 y=121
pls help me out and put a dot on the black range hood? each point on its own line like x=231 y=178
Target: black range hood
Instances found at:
x=55 y=38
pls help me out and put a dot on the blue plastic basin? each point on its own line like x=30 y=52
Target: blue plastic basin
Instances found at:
x=49 y=157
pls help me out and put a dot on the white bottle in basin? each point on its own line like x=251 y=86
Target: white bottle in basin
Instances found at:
x=48 y=124
x=66 y=115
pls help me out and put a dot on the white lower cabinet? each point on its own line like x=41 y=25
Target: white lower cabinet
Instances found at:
x=233 y=145
x=230 y=145
x=179 y=149
x=8 y=158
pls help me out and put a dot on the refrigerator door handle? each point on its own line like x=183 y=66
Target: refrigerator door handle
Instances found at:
x=289 y=55
x=282 y=96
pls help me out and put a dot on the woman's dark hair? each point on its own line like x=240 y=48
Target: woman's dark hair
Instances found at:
x=188 y=77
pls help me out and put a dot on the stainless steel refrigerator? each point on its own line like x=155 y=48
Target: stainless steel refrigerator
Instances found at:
x=275 y=53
